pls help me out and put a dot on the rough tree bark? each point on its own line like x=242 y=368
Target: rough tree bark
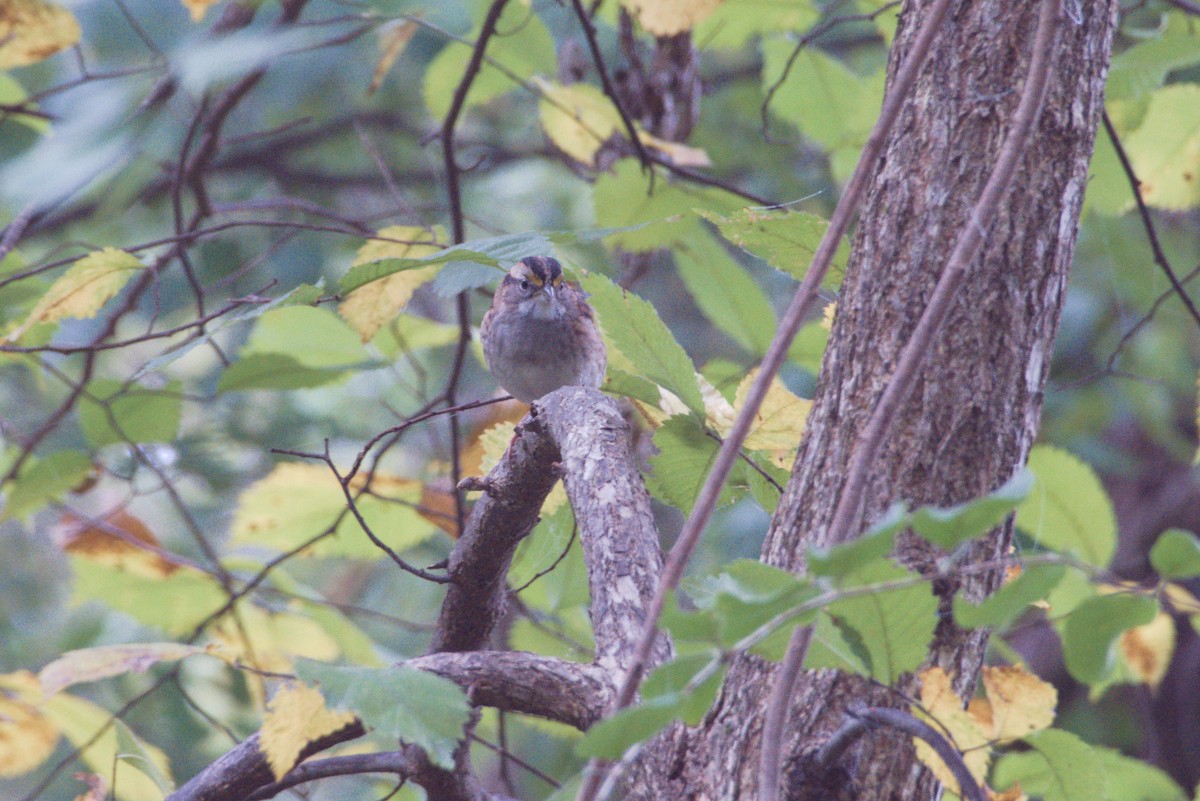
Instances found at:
x=973 y=413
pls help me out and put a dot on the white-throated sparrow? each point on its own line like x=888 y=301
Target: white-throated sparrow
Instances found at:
x=540 y=333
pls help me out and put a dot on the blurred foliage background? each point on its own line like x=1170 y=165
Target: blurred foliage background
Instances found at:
x=337 y=141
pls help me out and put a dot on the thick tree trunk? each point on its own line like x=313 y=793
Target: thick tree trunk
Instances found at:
x=974 y=410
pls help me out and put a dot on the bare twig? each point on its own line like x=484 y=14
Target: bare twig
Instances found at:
x=458 y=233
x=589 y=33
x=861 y=720
x=1160 y=258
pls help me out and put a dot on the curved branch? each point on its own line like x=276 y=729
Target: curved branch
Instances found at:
x=864 y=719
x=580 y=435
x=552 y=688
x=397 y=762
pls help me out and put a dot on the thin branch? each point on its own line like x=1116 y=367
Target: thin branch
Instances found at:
x=589 y=33
x=843 y=524
x=394 y=762
x=788 y=326
x=458 y=233
x=861 y=720
x=352 y=505
x=1160 y=258
x=805 y=41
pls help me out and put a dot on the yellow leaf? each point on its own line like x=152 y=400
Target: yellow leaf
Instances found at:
x=369 y=307
x=86 y=726
x=942 y=706
x=27 y=737
x=93 y=664
x=1147 y=650
x=578 y=118
x=1165 y=149
x=84 y=289
x=827 y=315
x=393 y=38
x=1019 y=702
x=680 y=154
x=1181 y=600
x=198 y=8
x=670 y=17
x=31 y=30
x=296 y=716
x=779 y=422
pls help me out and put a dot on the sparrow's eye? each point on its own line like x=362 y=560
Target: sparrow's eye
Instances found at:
x=524 y=285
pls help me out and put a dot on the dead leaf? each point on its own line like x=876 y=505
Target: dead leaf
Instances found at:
x=32 y=30
x=1020 y=703
x=1147 y=649
x=393 y=38
x=112 y=540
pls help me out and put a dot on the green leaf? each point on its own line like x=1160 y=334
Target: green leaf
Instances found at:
x=619 y=382
x=44 y=480
x=726 y=293
x=735 y=22
x=298 y=501
x=494 y=254
x=115 y=412
x=1068 y=509
x=748 y=594
x=1134 y=780
x=828 y=102
x=685 y=456
x=699 y=625
x=610 y=738
x=275 y=371
x=786 y=240
x=1141 y=69
x=671 y=680
x=837 y=645
x=1176 y=554
x=301 y=295
x=1091 y=632
x=1165 y=149
x=623 y=197
x=894 y=626
x=397 y=702
x=174 y=603
x=951 y=526
x=1108 y=191
x=13 y=95
x=634 y=327
x=84 y=289
x=1060 y=768
x=522 y=46
x=1010 y=601
x=875 y=543
x=132 y=751
x=314 y=338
